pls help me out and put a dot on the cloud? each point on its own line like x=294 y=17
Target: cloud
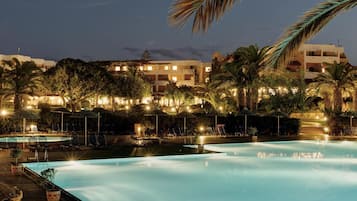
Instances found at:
x=188 y=52
x=136 y=52
x=165 y=54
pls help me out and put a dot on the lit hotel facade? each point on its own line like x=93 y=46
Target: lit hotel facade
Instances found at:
x=311 y=59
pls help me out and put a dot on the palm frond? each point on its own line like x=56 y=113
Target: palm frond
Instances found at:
x=204 y=11
x=308 y=25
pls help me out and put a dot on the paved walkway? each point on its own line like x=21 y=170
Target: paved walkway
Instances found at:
x=31 y=191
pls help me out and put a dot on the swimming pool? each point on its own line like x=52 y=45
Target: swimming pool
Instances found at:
x=34 y=139
x=278 y=171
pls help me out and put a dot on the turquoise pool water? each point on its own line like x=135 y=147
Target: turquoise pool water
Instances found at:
x=278 y=171
x=33 y=139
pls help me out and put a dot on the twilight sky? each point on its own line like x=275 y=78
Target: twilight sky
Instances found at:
x=123 y=29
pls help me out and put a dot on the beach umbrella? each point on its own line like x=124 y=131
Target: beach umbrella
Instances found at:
x=45 y=155
x=245 y=112
x=36 y=155
x=278 y=113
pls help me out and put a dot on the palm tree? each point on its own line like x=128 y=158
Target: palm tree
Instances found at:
x=230 y=78
x=252 y=64
x=243 y=73
x=307 y=26
x=339 y=78
x=179 y=96
x=25 y=80
x=207 y=11
x=217 y=97
x=4 y=85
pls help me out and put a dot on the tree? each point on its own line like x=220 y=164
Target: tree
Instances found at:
x=4 y=86
x=75 y=81
x=146 y=55
x=338 y=78
x=24 y=79
x=309 y=25
x=101 y=80
x=216 y=97
x=242 y=72
x=207 y=11
x=179 y=96
x=132 y=84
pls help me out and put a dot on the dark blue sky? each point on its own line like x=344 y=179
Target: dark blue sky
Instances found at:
x=123 y=29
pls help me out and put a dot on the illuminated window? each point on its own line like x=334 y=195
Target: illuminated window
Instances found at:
x=117 y=68
x=125 y=68
x=174 y=79
x=208 y=69
x=141 y=68
x=207 y=79
x=149 y=68
x=166 y=67
x=174 y=67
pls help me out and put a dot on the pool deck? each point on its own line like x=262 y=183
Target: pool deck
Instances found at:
x=31 y=191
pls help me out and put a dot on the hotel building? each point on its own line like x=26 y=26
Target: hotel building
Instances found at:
x=160 y=72
x=312 y=59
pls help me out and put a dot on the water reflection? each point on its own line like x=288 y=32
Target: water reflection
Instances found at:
x=295 y=155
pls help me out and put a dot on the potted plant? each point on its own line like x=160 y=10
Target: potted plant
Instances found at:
x=52 y=192
x=253 y=132
x=16 y=194
x=15 y=167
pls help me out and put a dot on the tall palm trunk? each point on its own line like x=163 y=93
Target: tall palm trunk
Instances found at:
x=253 y=98
x=355 y=101
x=244 y=98
x=337 y=103
x=17 y=102
x=327 y=101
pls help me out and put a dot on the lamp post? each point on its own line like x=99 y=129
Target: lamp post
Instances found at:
x=61 y=122
x=245 y=112
x=157 y=124
x=184 y=125
x=278 y=125
x=220 y=108
x=148 y=108
x=85 y=130
x=245 y=123
x=185 y=120
x=98 y=123
x=98 y=127
x=279 y=113
x=351 y=122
